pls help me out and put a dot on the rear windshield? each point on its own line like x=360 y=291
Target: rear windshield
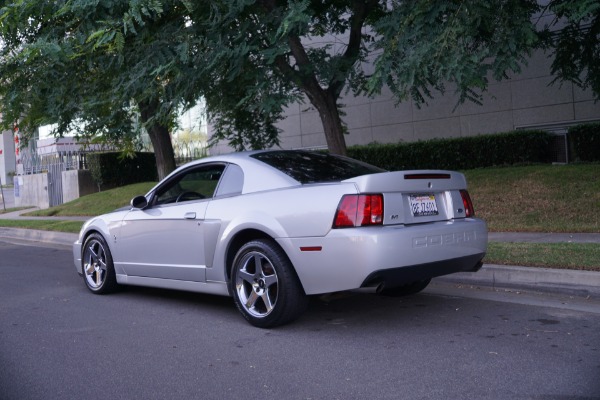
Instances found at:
x=313 y=167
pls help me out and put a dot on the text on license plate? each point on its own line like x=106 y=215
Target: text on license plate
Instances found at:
x=423 y=205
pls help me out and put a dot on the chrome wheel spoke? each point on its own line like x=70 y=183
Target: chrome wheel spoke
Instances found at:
x=99 y=276
x=257 y=261
x=93 y=255
x=251 y=301
x=246 y=277
x=270 y=280
x=89 y=268
x=266 y=298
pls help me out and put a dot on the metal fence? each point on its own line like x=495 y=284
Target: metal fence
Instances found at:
x=53 y=165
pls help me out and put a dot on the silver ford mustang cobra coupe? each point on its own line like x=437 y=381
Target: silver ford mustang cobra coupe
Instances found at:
x=270 y=228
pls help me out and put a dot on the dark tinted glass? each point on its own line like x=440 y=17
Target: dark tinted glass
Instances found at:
x=312 y=167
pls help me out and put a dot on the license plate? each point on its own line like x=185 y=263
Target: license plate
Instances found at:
x=423 y=205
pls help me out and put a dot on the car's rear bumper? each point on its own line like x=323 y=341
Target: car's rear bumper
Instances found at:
x=348 y=259
x=411 y=273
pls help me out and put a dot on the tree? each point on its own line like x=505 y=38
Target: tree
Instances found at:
x=103 y=61
x=319 y=49
x=575 y=42
x=95 y=67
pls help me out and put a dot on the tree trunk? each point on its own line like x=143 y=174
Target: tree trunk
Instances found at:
x=326 y=104
x=160 y=138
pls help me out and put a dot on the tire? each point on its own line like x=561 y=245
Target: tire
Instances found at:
x=406 y=290
x=98 y=268
x=264 y=285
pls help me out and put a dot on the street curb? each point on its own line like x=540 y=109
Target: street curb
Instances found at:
x=62 y=238
x=565 y=281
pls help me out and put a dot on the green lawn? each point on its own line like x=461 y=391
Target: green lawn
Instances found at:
x=539 y=198
x=97 y=203
x=580 y=256
x=58 y=225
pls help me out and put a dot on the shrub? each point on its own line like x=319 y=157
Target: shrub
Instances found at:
x=113 y=169
x=584 y=142
x=510 y=148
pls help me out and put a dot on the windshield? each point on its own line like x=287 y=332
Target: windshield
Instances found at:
x=314 y=167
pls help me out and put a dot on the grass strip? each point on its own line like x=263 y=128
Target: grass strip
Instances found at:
x=576 y=256
x=43 y=225
x=96 y=203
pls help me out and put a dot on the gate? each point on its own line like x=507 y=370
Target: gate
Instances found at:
x=55 y=191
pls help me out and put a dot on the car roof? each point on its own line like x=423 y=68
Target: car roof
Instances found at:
x=258 y=176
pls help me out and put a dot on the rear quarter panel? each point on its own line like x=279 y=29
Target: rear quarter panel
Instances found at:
x=302 y=211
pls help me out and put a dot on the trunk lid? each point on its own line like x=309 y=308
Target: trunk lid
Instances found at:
x=412 y=197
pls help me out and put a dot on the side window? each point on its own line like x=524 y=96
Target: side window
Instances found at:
x=192 y=184
x=232 y=181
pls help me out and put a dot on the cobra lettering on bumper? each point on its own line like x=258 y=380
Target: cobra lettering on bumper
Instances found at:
x=446 y=239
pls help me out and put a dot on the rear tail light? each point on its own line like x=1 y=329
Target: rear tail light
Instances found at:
x=359 y=210
x=467 y=203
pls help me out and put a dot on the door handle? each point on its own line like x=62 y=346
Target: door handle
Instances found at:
x=190 y=215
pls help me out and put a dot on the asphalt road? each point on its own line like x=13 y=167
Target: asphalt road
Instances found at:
x=58 y=341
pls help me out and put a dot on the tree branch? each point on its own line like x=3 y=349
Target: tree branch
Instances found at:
x=360 y=11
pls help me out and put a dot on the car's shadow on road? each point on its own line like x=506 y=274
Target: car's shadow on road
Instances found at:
x=325 y=312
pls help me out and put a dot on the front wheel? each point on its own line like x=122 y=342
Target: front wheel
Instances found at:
x=264 y=284
x=98 y=268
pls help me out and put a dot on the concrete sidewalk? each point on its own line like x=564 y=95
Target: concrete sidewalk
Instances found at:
x=541 y=237
x=19 y=215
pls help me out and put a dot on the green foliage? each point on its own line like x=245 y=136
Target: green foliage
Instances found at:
x=110 y=170
x=426 y=45
x=95 y=66
x=575 y=42
x=510 y=148
x=584 y=142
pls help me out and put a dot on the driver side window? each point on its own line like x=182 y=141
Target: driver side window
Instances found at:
x=192 y=184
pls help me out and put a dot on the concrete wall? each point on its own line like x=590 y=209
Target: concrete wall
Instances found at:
x=526 y=100
x=7 y=157
x=77 y=183
x=32 y=190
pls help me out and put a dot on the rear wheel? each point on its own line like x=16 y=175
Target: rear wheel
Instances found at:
x=406 y=290
x=98 y=268
x=264 y=284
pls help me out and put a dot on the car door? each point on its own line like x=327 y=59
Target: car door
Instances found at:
x=166 y=239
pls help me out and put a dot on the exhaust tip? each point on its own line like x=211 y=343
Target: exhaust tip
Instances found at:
x=373 y=288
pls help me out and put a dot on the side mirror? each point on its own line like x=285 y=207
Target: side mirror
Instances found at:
x=139 y=202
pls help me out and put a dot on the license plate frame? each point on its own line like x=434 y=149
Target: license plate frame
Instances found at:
x=423 y=205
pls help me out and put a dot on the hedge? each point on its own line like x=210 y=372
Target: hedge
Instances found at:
x=584 y=142
x=113 y=169
x=517 y=147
